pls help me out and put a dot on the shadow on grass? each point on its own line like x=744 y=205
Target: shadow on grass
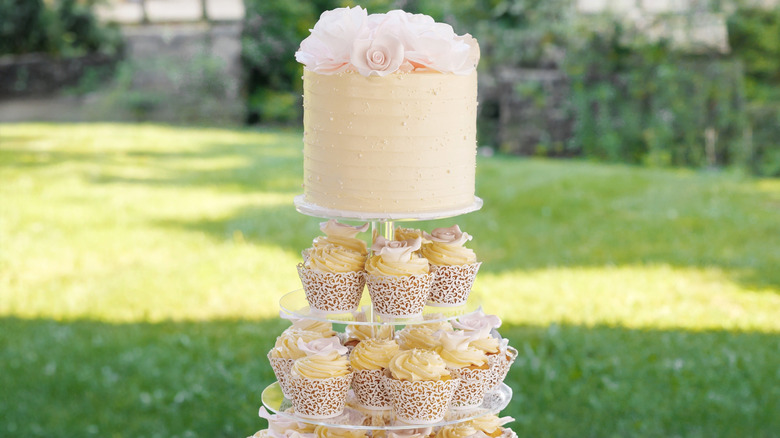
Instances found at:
x=203 y=379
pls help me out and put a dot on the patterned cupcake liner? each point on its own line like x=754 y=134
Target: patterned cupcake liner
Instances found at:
x=452 y=285
x=369 y=389
x=319 y=398
x=423 y=402
x=500 y=363
x=399 y=296
x=471 y=391
x=282 y=369
x=332 y=291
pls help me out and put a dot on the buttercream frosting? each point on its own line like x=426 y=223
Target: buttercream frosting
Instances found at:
x=286 y=346
x=321 y=366
x=343 y=235
x=462 y=430
x=333 y=432
x=417 y=365
x=332 y=258
x=321 y=327
x=396 y=144
x=417 y=336
x=490 y=425
x=446 y=247
x=396 y=258
x=456 y=351
x=373 y=354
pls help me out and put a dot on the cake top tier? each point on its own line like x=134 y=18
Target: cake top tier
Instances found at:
x=349 y=39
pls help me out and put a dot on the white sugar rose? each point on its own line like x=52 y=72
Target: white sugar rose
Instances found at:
x=450 y=236
x=395 y=250
x=379 y=56
x=329 y=47
x=322 y=346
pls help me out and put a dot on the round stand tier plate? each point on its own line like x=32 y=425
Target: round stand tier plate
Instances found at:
x=295 y=304
x=355 y=417
x=310 y=209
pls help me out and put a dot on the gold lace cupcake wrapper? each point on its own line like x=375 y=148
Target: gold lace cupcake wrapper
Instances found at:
x=332 y=291
x=319 y=398
x=452 y=285
x=399 y=296
x=423 y=402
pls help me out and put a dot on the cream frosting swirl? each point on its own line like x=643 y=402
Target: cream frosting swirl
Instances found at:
x=397 y=258
x=417 y=336
x=402 y=234
x=342 y=235
x=373 y=354
x=420 y=432
x=286 y=346
x=321 y=366
x=332 y=258
x=446 y=247
x=456 y=351
x=321 y=327
x=417 y=365
x=480 y=327
x=462 y=430
x=327 y=432
x=488 y=344
x=361 y=332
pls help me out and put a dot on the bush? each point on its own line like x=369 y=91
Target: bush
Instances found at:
x=63 y=28
x=648 y=104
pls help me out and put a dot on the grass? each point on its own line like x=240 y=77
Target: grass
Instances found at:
x=141 y=265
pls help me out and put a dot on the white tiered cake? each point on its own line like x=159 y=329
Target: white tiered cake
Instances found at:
x=389 y=133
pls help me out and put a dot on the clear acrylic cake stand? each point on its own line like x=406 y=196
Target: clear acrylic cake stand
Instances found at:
x=295 y=304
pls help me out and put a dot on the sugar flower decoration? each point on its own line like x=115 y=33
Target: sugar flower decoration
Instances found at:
x=450 y=236
x=335 y=228
x=347 y=39
x=396 y=250
x=322 y=347
x=477 y=322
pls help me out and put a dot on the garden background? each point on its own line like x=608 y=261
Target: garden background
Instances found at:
x=629 y=163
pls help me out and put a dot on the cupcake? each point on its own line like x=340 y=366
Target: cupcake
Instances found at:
x=467 y=363
x=492 y=426
x=332 y=269
x=481 y=328
x=285 y=352
x=319 y=382
x=369 y=360
x=454 y=265
x=402 y=234
x=334 y=432
x=398 y=280
x=420 y=386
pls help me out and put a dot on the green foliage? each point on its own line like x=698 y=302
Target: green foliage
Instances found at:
x=646 y=103
x=63 y=27
x=754 y=36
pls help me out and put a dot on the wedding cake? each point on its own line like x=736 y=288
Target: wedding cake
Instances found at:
x=390 y=106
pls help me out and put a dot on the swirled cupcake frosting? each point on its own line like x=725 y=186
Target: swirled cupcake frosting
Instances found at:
x=323 y=328
x=396 y=258
x=342 y=235
x=332 y=258
x=321 y=366
x=286 y=346
x=373 y=354
x=361 y=332
x=407 y=233
x=457 y=353
x=417 y=336
x=417 y=365
x=327 y=432
x=462 y=430
x=488 y=344
x=446 y=247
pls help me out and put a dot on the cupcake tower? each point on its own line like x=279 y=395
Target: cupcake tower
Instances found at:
x=401 y=365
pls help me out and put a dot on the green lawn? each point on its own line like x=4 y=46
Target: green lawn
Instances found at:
x=141 y=265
